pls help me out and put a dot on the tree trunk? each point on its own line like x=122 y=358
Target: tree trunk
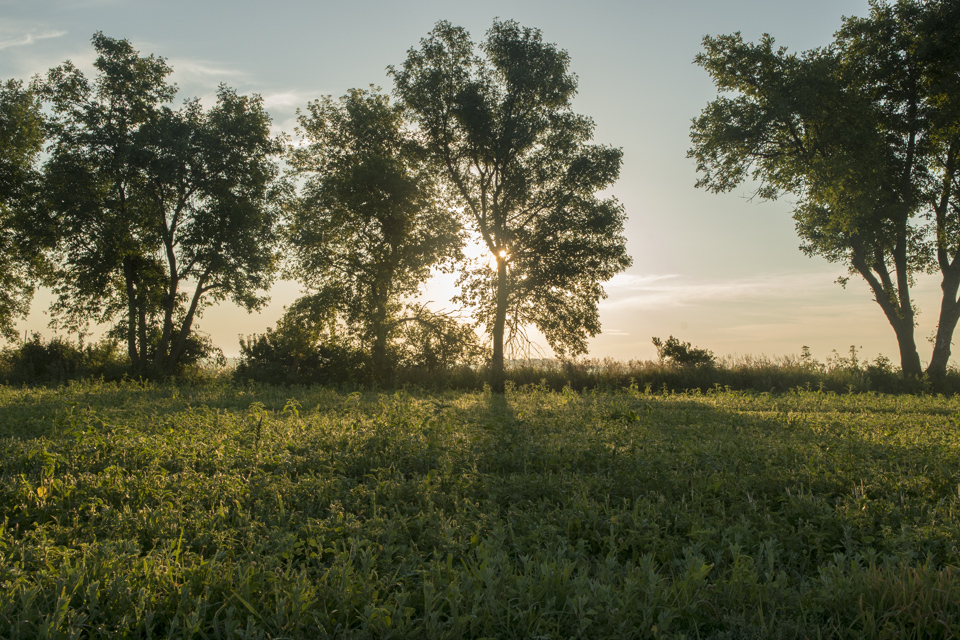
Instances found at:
x=497 y=373
x=902 y=323
x=949 y=315
x=949 y=305
x=128 y=276
x=900 y=316
x=142 y=328
x=378 y=351
x=176 y=349
x=170 y=304
x=380 y=323
x=909 y=358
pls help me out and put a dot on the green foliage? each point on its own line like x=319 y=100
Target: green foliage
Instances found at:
x=519 y=164
x=839 y=374
x=146 y=510
x=437 y=343
x=159 y=212
x=866 y=135
x=682 y=353
x=58 y=360
x=370 y=224
x=21 y=140
x=304 y=348
x=286 y=355
x=429 y=347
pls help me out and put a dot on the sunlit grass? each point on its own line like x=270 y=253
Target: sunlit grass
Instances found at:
x=246 y=511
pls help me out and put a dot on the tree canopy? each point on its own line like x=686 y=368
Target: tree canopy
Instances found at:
x=370 y=223
x=519 y=165
x=21 y=140
x=865 y=133
x=159 y=211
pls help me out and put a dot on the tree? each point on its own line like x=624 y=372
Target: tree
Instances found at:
x=150 y=201
x=370 y=225
x=21 y=140
x=92 y=179
x=213 y=201
x=866 y=134
x=517 y=159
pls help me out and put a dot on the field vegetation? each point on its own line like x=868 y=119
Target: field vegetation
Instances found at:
x=454 y=359
x=230 y=510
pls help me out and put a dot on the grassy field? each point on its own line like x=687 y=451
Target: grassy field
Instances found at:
x=221 y=511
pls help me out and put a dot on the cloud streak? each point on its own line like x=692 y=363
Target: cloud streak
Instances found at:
x=192 y=71
x=18 y=38
x=629 y=291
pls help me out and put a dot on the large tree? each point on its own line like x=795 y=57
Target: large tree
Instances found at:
x=370 y=224
x=518 y=160
x=212 y=200
x=865 y=134
x=21 y=140
x=159 y=212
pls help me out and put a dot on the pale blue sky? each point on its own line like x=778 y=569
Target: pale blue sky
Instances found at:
x=718 y=270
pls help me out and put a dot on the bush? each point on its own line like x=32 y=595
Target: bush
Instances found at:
x=682 y=353
x=290 y=355
x=430 y=350
x=58 y=360
x=437 y=343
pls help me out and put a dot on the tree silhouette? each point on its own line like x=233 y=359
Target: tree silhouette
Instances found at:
x=518 y=162
x=150 y=202
x=370 y=224
x=21 y=140
x=866 y=134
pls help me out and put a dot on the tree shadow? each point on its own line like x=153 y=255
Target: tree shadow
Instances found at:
x=498 y=407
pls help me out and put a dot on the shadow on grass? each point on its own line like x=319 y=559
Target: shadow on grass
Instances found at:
x=873 y=481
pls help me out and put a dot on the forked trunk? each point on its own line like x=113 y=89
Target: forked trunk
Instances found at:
x=180 y=342
x=166 y=336
x=898 y=309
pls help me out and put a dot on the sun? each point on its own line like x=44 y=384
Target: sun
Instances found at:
x=492 y=260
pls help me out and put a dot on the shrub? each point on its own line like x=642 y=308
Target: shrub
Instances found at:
x=35 y=361
x=436 y=342
x=290 y=355
x=682 y=353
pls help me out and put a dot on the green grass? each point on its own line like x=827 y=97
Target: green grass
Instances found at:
x=220 y=511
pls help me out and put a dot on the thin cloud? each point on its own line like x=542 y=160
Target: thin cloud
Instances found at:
x=203 y=72
x=19 y=38
x=615 y=332
x=284 y=100
x=667 y=291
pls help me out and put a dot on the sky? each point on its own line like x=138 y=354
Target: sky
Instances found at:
x=721 y=271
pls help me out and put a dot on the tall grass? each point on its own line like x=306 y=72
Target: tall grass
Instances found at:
x=840 y=374
x=56 y=361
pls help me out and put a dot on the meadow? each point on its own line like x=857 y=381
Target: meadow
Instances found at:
x=227 y=510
